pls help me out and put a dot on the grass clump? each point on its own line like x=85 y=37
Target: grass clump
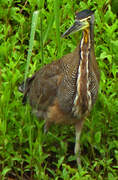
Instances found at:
x=25 y=152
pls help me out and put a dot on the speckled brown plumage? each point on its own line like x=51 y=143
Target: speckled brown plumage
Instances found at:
x=54 y=87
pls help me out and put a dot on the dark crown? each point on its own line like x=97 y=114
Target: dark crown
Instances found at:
x=84 y=14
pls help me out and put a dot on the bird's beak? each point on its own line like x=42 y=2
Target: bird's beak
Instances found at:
x=77 y=26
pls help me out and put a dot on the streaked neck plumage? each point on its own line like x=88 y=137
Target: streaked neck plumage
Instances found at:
x=83 y=100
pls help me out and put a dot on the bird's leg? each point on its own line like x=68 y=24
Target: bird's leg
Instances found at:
x=78 y=129
x=46 y=127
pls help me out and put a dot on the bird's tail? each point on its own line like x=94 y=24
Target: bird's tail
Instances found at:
x=21 y=87
x=25 y=87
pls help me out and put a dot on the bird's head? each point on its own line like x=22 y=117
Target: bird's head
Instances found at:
x=83 y=20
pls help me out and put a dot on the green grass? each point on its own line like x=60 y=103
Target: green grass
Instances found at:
x=33 y=29
x=25 y=151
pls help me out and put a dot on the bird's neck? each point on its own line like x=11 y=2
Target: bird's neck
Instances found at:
x=92 y=35
x=87 y=38
x=85 y=45
x=83 y=96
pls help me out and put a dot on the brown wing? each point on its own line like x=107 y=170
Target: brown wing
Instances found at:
x=41 y=88
x=55 y=80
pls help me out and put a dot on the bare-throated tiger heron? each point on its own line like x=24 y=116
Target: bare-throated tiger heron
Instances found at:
x=65 y=90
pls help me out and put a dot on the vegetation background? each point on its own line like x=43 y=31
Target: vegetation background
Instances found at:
x=25 y=151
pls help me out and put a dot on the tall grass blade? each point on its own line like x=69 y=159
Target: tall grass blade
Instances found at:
x=50 y=23
x=41 y=36
x=32 y=34
x=57 y=22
